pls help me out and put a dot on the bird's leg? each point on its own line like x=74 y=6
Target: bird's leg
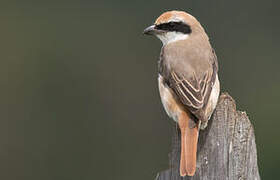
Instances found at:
x=189 y=138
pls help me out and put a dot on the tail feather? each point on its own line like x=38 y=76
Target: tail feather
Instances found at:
x=189 y=138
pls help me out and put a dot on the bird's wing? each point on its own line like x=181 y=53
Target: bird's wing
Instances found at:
x=194 y=92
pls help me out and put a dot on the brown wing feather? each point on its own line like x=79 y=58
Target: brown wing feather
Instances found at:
x=194 y=93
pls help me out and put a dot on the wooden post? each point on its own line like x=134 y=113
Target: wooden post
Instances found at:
x=226 y=148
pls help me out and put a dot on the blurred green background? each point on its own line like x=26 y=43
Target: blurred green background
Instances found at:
x=79 y=97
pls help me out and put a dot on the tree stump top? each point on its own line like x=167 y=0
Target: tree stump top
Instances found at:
x=226 y=148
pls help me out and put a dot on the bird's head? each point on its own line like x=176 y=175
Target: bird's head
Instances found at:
x=173 y=26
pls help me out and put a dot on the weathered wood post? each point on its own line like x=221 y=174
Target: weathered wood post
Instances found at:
x=226 y=148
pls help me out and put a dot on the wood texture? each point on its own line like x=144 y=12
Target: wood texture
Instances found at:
x=226 y=148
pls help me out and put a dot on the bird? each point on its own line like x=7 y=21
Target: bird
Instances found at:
x=188 y=80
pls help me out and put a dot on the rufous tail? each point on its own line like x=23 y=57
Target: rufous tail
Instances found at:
x=189 y=138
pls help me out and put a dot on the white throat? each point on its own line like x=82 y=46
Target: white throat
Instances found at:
x=170 y=37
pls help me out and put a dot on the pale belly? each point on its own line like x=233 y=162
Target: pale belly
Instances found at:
x=213 y=99
x=172 y=107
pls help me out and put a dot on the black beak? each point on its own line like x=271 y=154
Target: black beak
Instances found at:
x=150 y=30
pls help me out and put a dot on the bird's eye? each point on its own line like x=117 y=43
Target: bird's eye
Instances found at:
x=175 y=26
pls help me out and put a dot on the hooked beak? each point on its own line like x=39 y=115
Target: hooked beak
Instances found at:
x=151 y=30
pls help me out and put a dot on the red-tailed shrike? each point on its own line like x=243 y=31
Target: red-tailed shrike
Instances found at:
x=188 y=81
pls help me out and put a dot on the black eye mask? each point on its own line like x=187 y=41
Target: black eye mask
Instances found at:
x=175 y=26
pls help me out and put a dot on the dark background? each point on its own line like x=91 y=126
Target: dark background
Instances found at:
x=79 y=97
